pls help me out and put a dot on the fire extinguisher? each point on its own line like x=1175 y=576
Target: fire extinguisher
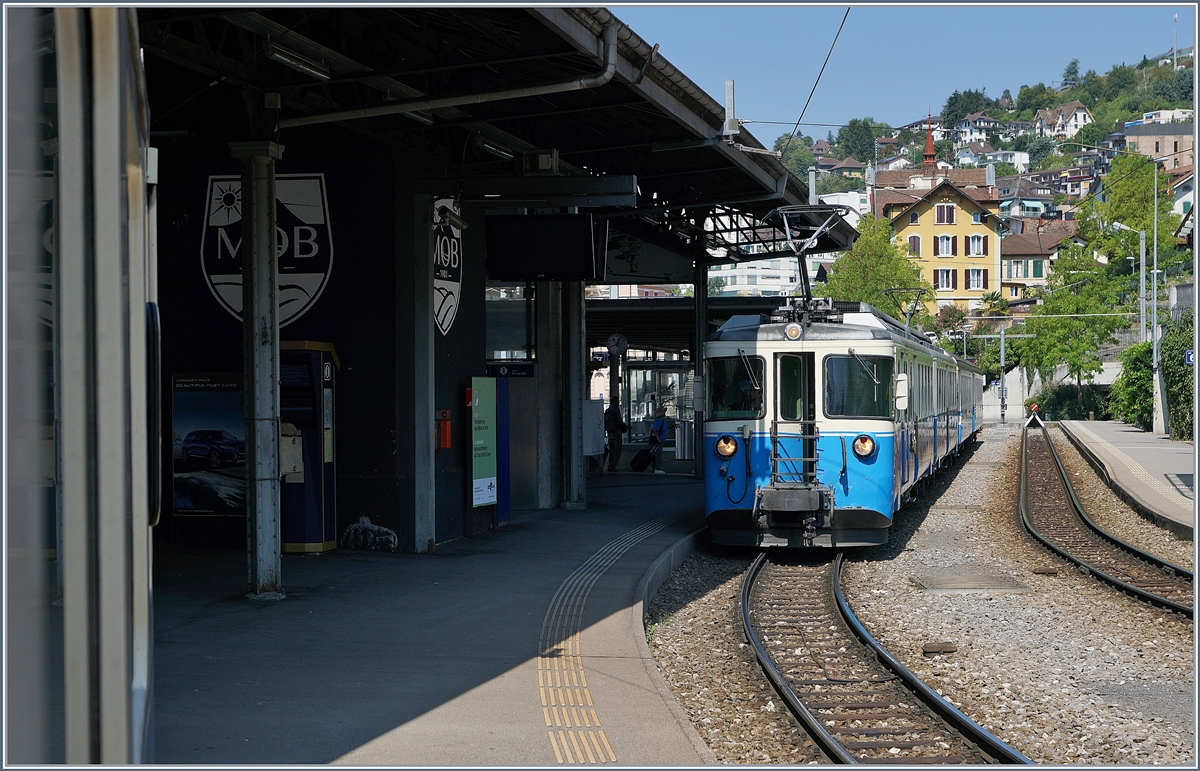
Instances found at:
x=443 y=429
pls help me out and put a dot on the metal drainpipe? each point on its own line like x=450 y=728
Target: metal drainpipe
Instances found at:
x=608 y=35
x=642 y=49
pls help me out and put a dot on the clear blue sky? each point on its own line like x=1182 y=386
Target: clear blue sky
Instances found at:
x=893 y=63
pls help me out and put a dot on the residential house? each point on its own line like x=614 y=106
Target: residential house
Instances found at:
x=826 y=163
x=1163 y=116
x=974 y=128
x=1062 y=122
x=895 y=163
x=1158 y=140
x=1022 y=197
x=972 y=154
x=1018 y=159
x=886 y=147
x=949 y=221
x=1017 y=128
x=821 y=148
x=849 y=167
x=934 y=124
x=1024 y=266
x=1183 y=191
x=1029 y=253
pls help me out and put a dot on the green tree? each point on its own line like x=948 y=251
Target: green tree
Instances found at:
x=799 y=155
x=961 y=104
x=1005 y=170
x=1131 y=397
x=944 y=148
x=1068 y=328
x=1118 y=79
x=1039 y=148
x=1177 y=89
x=875 y=263
x=1177 y=338
x=836 y=183
x=1129 y=194
x=1091 y=134
x=1070 y=76
x=857 y=138
x=1030 y=99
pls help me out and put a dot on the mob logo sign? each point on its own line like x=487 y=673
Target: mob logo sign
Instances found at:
x=447 y=264
x=303 y=242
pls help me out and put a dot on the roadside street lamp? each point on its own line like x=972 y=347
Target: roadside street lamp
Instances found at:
x=1154 y=304
x=966 y=330
x=1141 y=276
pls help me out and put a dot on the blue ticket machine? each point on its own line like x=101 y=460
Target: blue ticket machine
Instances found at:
x=307 y=395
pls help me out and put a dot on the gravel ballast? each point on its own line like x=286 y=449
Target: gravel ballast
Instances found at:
x=1060 y=666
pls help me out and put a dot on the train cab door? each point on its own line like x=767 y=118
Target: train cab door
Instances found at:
x=794 y=429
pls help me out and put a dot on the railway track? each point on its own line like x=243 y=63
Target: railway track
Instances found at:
x=1053 y=514
x=850 y=695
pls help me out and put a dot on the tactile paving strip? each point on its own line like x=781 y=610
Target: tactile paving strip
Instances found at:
x=576 y=735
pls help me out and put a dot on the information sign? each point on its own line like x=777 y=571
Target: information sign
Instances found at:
x=483 y=441
x=1189 y=357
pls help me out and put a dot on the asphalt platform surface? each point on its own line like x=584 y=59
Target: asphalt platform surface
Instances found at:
x=1151 y=472
x=515 y=647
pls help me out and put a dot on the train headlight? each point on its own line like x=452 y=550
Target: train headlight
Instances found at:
x=792 y=331
x=864 y=446
x=726 y=446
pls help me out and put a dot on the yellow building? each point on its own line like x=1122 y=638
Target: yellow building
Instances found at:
x=948 y=219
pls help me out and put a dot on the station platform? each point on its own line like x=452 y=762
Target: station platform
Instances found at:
x=1149 y=471
x=523 y=646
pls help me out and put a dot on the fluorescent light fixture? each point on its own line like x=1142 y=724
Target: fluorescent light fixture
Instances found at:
x=298 y=62
x=498 y=150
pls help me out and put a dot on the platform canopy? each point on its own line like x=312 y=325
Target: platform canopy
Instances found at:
x=698 y=196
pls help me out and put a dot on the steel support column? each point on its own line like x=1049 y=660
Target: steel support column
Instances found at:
x=260 y=362
x=424 y=472
x=700 y=334
x=549 y=374
x=575 y=380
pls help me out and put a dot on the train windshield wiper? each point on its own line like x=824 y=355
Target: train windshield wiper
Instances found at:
x=870 y=372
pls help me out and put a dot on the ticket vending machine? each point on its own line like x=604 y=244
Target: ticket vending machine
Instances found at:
x=307 y=395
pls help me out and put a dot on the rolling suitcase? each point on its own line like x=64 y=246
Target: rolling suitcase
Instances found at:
x=640 y=461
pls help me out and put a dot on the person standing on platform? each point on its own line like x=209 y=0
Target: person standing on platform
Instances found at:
x=614 y=427
x=658 y=437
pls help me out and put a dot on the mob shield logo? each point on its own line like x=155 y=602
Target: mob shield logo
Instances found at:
x=447 y=264
x=303 y=242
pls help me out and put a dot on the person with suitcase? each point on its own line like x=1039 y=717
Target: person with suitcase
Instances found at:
x=614 y=427
x=658 y=437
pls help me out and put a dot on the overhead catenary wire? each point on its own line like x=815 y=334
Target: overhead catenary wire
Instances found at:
x=788 y=144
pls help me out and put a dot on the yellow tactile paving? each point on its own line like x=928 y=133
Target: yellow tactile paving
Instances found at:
x=562 y=680
x=1145 y=477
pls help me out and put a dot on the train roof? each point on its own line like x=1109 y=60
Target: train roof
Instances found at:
x=845 y=321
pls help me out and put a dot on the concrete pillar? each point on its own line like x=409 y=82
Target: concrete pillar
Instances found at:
x=549 y=375
x=260 y=358
x=423 y=375
x=575 y=379
x=699 y=333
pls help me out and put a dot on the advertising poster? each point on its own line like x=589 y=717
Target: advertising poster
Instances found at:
x=208 y=445
x=483 y=441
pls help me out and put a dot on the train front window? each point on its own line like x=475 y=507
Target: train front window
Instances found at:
x=858 y=386
x=735 y=387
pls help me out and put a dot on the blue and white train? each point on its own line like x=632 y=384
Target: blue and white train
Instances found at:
x=823 y=420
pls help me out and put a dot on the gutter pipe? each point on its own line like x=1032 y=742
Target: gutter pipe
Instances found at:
x=608 y=35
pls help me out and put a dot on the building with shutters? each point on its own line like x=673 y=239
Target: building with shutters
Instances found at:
x=949 y=221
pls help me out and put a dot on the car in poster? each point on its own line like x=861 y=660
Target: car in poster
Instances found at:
x=214 y=448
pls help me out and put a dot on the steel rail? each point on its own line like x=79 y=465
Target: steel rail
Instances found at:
x=986 y=742
x=808 y=721
x=1124 y=586
x=955 y=717
x=1136 y=552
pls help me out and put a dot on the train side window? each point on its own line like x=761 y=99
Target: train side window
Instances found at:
x=733 y=390
x=795 y=387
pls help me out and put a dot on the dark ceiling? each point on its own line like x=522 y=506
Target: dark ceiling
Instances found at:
x=379 y=55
